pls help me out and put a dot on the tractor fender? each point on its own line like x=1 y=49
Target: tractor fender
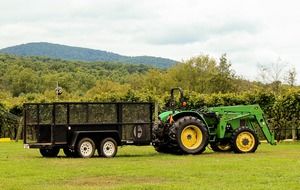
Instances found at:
x=189 y=113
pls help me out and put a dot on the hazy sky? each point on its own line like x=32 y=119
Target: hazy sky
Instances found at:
x=250 y=32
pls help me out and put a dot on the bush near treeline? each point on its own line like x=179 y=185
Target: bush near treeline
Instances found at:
x=282 y=111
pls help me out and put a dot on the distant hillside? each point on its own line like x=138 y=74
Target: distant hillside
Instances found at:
x=22 y=74
x=82 y=54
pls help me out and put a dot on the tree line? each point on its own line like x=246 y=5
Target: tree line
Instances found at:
x=207 y=82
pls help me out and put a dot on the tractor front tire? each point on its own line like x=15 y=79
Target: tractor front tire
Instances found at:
x=191 y=135
x=244 y=140
x=49 y=152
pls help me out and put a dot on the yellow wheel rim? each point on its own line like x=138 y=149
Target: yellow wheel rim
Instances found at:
x=245 y=141
x=224 y=147
x=191 y=137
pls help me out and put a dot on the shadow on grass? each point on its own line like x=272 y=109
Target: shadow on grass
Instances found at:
x=147 y=155
x=138 y=155
x=99 y=157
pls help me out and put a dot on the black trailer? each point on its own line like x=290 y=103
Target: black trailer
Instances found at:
x=82 y=128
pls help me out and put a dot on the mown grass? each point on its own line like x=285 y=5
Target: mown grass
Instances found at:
x=271 y=167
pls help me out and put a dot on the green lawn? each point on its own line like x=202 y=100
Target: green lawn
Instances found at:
x=271 y=167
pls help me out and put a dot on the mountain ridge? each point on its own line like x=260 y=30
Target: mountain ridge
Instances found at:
x=73 y=53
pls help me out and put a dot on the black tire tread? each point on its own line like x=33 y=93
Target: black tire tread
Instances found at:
x=179 y=125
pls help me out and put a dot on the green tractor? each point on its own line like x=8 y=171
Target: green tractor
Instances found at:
x=227 y=128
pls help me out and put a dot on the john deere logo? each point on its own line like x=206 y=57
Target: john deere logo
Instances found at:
x=138 y=131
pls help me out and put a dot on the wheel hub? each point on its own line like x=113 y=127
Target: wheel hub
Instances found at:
x=86 y=148
x=245 y=142
x=108 y=148
x=191 y=137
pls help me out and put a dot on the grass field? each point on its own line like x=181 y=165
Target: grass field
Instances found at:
x=271 y=167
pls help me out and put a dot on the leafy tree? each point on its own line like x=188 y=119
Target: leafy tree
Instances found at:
x=291 y=76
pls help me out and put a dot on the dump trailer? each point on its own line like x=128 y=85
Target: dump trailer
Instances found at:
x=227 y=128
x=81 y=129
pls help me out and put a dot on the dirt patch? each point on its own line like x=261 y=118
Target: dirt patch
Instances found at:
x=113 y=181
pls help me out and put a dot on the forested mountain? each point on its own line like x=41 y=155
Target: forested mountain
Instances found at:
x=82 y=54
x=22 y=75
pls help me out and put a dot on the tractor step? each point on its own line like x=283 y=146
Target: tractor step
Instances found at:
x=212 y=134
x=212 y=140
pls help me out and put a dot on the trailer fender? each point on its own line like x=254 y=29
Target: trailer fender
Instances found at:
x=99 y=133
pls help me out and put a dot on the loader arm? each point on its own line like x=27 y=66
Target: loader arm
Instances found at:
x=233 y=115
x=262 y=123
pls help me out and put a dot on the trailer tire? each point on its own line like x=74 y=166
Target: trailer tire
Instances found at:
x=244 y=140
x=70 y=153
x=108 y=148
x=49 y=152
x=191 y=135
x=86 y=148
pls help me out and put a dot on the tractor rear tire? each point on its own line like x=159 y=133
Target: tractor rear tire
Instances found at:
x=190 y=134
x=49 y=152
x=244 y=140
x=223 y=146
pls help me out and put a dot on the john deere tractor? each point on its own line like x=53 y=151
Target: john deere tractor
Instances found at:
x=227 y=128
